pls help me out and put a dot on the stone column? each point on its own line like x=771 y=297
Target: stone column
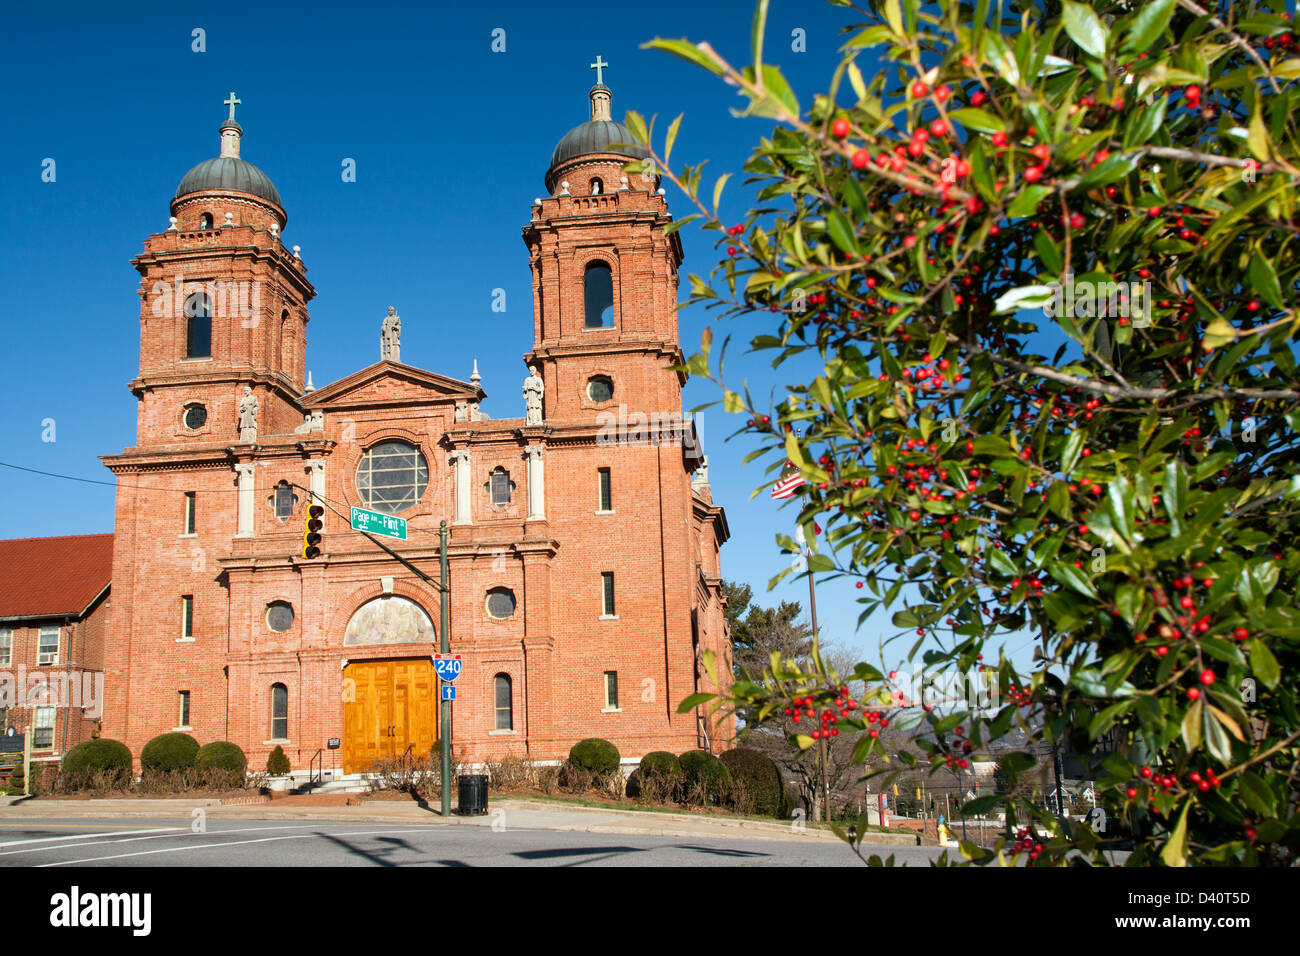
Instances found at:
x=463 y=512
x=536 y=484
x=316 y=468
x=246 y=491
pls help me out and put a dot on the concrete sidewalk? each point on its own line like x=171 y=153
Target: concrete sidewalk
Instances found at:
x=511 y=813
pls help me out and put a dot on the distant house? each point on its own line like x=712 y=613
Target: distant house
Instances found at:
x=53 y=617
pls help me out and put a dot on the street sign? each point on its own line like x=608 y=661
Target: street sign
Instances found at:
x=448 y=691
x=334 y=743
x=375 y=523
x=448 y=666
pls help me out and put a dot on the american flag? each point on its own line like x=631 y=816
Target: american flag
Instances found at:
x=786 y=486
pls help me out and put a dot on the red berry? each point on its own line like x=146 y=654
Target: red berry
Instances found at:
x=1207 y=678
x=1193 y=693
x=919 y=90
x=840 y=128
x=861 y=159
x=1034 y=173
x=1241 y=634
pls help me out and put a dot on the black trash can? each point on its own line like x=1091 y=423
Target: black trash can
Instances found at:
x=473 y=794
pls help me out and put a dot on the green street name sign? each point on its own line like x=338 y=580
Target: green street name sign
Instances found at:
x=375 y=523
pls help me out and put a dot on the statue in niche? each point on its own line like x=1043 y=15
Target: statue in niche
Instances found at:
x=533 y=390
x=248 y=416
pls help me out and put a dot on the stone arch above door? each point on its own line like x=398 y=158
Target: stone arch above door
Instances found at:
x=389 y=620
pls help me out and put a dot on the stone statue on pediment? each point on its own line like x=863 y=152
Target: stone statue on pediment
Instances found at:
x=390 y=337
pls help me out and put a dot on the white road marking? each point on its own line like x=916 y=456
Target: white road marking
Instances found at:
x=102 y=839
x=80 y=836
x=208 y=846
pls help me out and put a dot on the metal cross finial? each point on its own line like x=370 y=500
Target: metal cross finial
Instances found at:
x=599 y=67
x=232 y=102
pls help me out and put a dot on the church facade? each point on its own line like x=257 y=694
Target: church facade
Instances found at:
x=584 y=544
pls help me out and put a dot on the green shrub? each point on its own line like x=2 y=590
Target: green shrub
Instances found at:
x=594 y=755
x=760 y=778
x=99 y=753
x=18 y=781
x=707 y=777
x=221 y=755
x=277 y=764
x=174 y=751
x=660 y=763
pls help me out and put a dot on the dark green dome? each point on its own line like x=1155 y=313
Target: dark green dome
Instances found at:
x=596 y=136
x=229 y=173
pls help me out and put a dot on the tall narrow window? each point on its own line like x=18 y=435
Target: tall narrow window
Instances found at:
x=198 y=326
x=189 y=511
x=607 y=592
x=598 y=295
x=42 y=728
x=187 y=615
x=499 y=483
x=47 y=645
x=597 y=187
x=611 y=690
x=279 y=712
x=6 y=646
x=184 y=708
x=606 y=492
x=284 y=499
x=502 y=702
x=205 y=221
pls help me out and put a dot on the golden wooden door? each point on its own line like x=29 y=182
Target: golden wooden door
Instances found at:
x=393 y=710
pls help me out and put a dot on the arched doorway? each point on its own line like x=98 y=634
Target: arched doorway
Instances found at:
x=389 y=706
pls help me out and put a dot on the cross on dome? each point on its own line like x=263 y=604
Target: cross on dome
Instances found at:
x=598 y=66
x=232 y=101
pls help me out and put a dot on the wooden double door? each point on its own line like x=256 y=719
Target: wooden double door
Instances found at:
x=393 y=708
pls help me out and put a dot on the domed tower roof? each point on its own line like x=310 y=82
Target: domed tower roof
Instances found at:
x=228 y=171
x=600 y=134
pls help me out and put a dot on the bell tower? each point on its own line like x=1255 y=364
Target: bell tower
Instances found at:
x=604 y=276
x=223 y=306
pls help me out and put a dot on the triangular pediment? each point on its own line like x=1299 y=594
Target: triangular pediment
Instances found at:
x=391 y=383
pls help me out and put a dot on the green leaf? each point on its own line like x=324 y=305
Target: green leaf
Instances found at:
x=1175 y=851
x=757 y=30
x=1085 y=28
x=1026 y=202
x=1149 y=24
x=732 y=402
x=672 y=137
x=1191 y=727
x=1073 y=447
x=1264 y=280
x=1257 y=135
x=841 y=232
x=687 y=51
x=1264 y=664
x=695 y=700
x=1025 y=297
x=717 y=191
x=979 y=120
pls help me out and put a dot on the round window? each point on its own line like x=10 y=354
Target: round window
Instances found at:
x=600 y=388
x=196 y=416
x=500 y=602
x=391 y=477
x=279 y=616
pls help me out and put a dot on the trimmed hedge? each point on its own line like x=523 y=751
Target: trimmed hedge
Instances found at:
x=277 y=762
x=99 y=753
x=175 y=751
x=702 y=769
x=661 y=763
x=594 y=755
x=222 y=755
x=760 y=777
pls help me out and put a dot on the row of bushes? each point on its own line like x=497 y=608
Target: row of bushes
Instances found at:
x=741 y=778
x=164 y=753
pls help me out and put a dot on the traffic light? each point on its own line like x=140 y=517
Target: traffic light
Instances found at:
x=311 y=531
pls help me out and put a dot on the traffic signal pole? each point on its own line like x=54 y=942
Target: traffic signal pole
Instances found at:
x=444 y=621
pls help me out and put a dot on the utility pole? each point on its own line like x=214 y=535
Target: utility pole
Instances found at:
x=444 y=646
x=821 y=750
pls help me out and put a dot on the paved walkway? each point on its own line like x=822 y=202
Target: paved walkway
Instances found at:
x=512 y=813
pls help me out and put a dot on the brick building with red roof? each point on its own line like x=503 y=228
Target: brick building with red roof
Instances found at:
x=54 y=603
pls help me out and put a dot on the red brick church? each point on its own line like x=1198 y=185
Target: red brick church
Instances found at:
x=584 y=543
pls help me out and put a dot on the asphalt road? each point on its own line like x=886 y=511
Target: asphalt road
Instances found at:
x=252 y=842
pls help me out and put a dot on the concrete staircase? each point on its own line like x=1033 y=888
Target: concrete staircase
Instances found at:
x=333 y=782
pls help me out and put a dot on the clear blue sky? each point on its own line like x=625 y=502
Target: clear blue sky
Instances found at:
x=451 y=142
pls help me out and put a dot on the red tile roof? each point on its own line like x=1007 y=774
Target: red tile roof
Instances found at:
x=53 y=576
